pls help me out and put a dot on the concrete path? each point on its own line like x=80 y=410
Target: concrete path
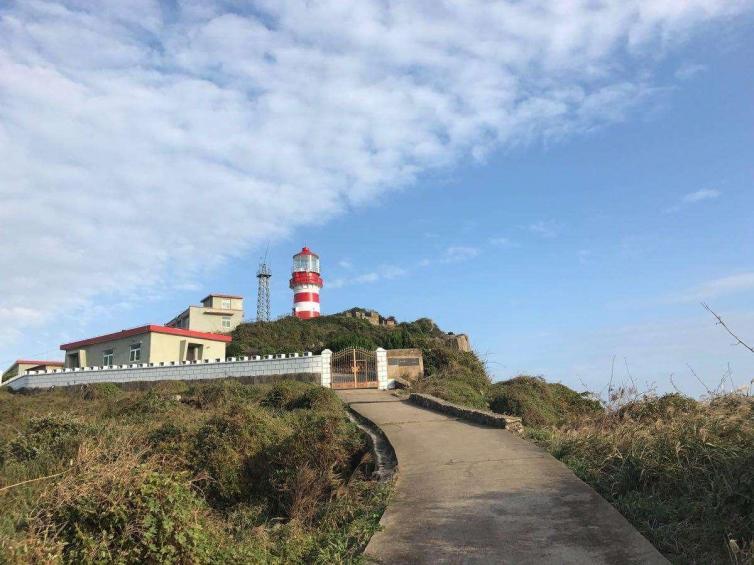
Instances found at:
x=471 y=494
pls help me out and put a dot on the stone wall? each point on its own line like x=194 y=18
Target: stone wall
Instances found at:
x=282 y=364
x=405 y=364
x=511 y=423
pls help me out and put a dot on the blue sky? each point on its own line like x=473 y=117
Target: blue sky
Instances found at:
x=566 y=190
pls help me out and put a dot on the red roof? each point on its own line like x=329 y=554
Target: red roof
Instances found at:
x=306 y=251
x=143 y=330
x=37 y=362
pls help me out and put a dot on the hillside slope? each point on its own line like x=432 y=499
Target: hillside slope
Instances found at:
x=457 y=376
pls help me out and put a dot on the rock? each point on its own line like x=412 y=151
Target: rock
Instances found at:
x=485 y=417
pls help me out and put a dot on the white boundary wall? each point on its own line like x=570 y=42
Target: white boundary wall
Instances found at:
x=281 y=364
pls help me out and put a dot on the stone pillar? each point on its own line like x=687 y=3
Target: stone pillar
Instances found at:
x=381 y=369
x=325 y=358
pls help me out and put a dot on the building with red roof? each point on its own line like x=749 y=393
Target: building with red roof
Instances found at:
x=145 y=344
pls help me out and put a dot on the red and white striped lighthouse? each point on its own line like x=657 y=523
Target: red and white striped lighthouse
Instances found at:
x=306 y=282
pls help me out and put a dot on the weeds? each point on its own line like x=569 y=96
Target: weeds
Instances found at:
x=209 y=473
x=682 y=471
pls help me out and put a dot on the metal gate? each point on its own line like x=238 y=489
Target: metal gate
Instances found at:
x=354 y=368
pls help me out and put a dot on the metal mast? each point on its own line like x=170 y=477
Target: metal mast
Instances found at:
x=263 y=291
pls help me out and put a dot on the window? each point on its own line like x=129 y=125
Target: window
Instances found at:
x=107 y=357
x=135 y=354
x=226 y=322
x=226 y=304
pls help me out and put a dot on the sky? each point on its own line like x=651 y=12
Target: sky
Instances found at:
x=566 y=182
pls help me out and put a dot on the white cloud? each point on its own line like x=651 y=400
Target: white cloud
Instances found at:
x=345 y=264
x=383 y=272
x=501 y=242
x=689 y=70
x=701 y=195
x=144 y=144
x=741 y=282
x=545 y=229
x=457 y=253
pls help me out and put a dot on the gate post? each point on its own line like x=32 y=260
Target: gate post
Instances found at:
x=326 y=358
x=381 y=362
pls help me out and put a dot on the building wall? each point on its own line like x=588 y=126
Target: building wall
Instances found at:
x=405 y=363
x=217 y=303
x=209 y=320
x=92 y=355
x=166 y=348
x=155 y=348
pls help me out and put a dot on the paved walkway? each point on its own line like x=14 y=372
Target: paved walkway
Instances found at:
x=471 y=494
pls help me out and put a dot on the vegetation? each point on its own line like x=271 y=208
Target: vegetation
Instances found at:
x=329 y=332
x=680 y=470
x=457 y=376
x=207 y=473
x=540 y=403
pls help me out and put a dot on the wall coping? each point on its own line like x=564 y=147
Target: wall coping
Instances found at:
x=137 y=366
x=485 y=417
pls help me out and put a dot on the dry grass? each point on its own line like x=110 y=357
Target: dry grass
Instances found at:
x=231 y=473
x=682 y=471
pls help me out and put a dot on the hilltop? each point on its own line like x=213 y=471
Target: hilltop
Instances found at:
x=455 y=375
x=333 y=332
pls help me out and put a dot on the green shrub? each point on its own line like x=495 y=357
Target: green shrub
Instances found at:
x=292 y=395
x=215 y=479
x=455 y=376
x=113 y=508
x=100 y=391
x=55 y=436
x=223 y=446
x=149 y=403
x=681 y=471
x=664 y=407
x=216 y=394
x=540 y=403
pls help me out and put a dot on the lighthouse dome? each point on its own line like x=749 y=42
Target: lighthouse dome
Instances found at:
x=305 y=261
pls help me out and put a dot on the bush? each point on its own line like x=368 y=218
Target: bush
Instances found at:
x=224 y=445
x=455 y=376
x=149 y=403
x=681 y=471
x=293 y=395
x=113 y=507
x=540 y=403
x=215 y=479
x=55 y=436
x=215 y=394
x=100 y=391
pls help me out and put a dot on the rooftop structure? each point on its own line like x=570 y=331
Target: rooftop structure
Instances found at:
x=219 y=313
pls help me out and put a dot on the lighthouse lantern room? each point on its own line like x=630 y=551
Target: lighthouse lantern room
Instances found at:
x=305 y=283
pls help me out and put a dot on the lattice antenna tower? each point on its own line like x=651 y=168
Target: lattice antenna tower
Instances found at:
x=263 y=290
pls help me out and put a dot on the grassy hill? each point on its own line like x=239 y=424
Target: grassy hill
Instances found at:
x=217 y=472
x=457 y=376
x=681 y=470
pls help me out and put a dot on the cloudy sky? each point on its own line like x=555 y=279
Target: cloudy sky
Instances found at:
x=565 y=181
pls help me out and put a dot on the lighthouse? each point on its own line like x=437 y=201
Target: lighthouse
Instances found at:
x=305 y=283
